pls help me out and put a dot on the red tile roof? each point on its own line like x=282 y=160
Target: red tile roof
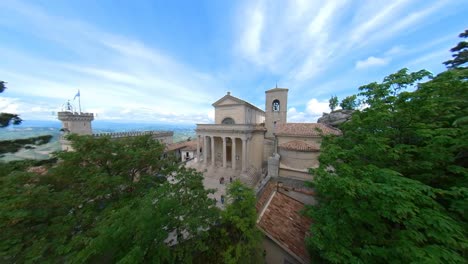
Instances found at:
x=283 y=222
x=183 y=144
x=299 y=145
x=305 y=129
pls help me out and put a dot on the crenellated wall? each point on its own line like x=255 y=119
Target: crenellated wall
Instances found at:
x=165 y=137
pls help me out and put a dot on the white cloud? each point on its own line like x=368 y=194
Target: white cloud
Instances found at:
x=9 y=105
x=316 y=107
x=295 y=116
x=371 y=62
x=252 y=33
x=121 y=77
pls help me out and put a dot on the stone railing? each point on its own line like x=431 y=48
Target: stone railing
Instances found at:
x=230 y=128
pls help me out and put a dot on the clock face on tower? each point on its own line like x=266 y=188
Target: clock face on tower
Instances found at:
x=276 y=106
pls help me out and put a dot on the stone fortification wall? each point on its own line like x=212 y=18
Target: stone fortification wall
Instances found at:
x=165 y=137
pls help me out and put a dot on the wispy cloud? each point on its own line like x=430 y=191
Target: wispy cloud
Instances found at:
x=303 y=39
x=123 y=76
x=371 y=62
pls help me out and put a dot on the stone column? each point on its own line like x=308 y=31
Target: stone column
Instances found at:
x=212 y=151
x=205 y=150
x=244 y=154
x=224 y=152
x=233 y=153
x=198 y=148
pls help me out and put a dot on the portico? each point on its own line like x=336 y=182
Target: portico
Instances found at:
x=226 y=146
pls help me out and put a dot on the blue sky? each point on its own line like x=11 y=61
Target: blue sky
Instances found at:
x=168 y=61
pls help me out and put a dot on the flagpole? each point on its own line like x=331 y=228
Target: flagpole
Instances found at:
x=79 y=101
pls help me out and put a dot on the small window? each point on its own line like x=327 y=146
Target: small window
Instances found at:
x=228 y=121
x=276 y=105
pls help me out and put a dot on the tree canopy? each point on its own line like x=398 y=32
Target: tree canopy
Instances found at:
x=394 y=187
x=333 y=103
x=114 y=201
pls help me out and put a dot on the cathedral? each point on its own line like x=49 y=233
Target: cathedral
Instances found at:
x=264 y=151
x=250 y=142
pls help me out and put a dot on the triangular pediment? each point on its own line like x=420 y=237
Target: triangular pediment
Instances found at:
x=228 y=100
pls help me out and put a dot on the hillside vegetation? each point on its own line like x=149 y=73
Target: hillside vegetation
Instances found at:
x=394 y=187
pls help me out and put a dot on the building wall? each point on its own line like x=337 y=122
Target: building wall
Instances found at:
x=268 y=149
x=242 y=114
x=183 y=154
x=255 y=150
x=299 y=159
x=253 y=116
x=274 y=254
x=310 y=140
x=236 y=112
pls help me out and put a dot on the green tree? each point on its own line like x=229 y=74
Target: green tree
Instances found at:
x=239 y=219
x=460 y=56
x=333 y=103
x=235 y=237
x=393 y=188
x=349 y=103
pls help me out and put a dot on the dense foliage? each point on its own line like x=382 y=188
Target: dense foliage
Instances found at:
x=394 y=187
x=112 y=201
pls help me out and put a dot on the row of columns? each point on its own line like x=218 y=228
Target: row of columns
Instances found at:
x=212 y=148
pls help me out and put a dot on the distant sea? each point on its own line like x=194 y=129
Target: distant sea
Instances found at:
x=31 y=128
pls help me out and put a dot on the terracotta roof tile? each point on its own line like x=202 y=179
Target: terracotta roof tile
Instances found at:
x=299 y=145
x=305 y=129
x=283 y=222
x=180 y=145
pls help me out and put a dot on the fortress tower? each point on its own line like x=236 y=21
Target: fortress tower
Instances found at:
x=276 y=107
x=77 y=123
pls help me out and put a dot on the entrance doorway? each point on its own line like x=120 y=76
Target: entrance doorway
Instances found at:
x=229 y=153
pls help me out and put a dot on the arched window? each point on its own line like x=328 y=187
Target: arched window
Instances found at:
x=276 y=105
x=228 y=121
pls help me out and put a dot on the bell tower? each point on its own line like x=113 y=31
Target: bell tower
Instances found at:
x=276 y=107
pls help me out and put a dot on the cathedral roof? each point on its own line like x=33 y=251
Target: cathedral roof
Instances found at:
x=305 y=129
x=299 y=145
